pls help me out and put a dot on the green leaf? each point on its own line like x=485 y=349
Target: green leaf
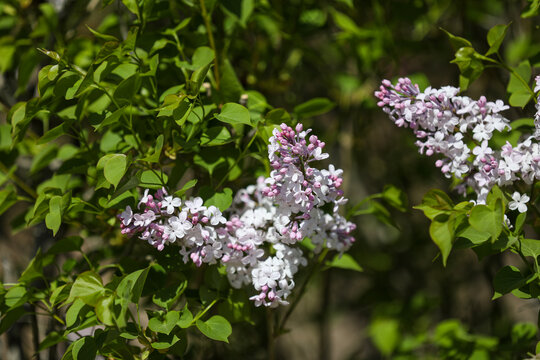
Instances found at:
x=114 y=167
x=53 y=72
x=67 y=244
x=434 y=203
x=495 y=38
x=209 y=159
x=34 y=269
x=485 y=219
x=530 y=247
x=520 y=221
x=102 y=36
x=345 y=261
x=523 y=332
x=72 y=314
x=8 y=198
x=474 y=235
x=190 y=184
x=221 y=200
x=10 y=317
x=60 y=294
x=53 y=338
x=110 y=119
x=470 y=65
x=231 y=88
x=166 y=297
x=385 y=334
x=216 y=135
x=45 y=155
x=395 y=197
x=277 y=117
x=164 y=324
x=520 y=93
x=84 y=349
x=233 y=114
x=153 y=179
x=314 y=107
x=347 y=24
x=202 y=57
x=54 y=217
x=441 y=231
x=506 y=280
x=531 y=11
x=126 y=90
x=165 y=342
x=132 y=285
x=86 y=82
x=132 y=6
x=15 y=296
x=87 y=287
x=215 y=328
x=520 y=99
x=53 y=133
x=104 y=310
x=196 y=80
x=154 y=158
x=456 y=41
x=186 y=318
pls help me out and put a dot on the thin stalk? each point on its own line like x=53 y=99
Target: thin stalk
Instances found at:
x=208 y=26
x=18 y=181
x=301 y=292
x=200 y=314
x=35 y=334
x=270 y=334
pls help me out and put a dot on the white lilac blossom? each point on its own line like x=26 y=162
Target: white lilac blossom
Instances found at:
x=258 y=241
x=459 y=128
x=519 y=202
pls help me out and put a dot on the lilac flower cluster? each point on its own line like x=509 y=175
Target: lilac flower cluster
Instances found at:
x=258 y=241
x=164 y=219
x=460 y=128
x=301 y=191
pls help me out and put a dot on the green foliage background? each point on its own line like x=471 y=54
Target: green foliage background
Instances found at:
x=137 y=93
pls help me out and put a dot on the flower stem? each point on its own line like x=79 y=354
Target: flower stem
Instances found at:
x=271 y=335
x=302 y=290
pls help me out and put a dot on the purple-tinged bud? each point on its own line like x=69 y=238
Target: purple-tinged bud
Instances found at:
x=299 y=127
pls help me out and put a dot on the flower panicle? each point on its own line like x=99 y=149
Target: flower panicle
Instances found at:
x=257 y=237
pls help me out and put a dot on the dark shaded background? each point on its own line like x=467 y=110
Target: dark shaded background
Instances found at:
x=296 y=50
